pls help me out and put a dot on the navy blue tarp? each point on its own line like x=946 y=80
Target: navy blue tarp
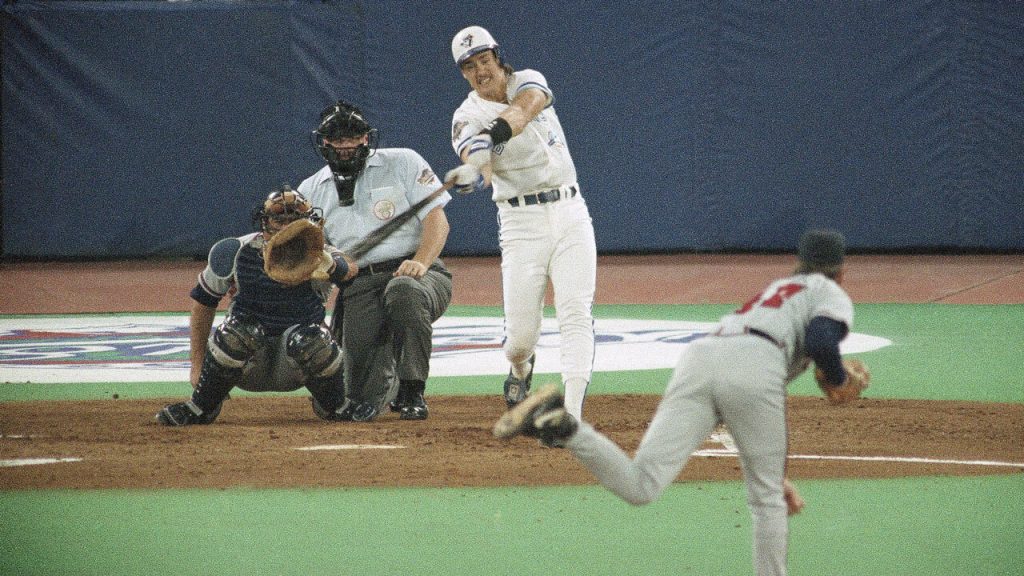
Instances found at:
x=135 y=129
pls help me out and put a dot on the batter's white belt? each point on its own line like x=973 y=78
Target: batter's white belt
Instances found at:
x=752 y=332
x=544 y=197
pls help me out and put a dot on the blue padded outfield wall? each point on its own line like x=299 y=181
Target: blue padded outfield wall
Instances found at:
x=136 y=129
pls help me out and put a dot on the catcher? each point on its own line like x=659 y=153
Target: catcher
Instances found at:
x=273 y=338
x=736 y=376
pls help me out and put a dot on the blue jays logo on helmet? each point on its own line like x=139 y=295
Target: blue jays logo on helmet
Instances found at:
x=471 y=41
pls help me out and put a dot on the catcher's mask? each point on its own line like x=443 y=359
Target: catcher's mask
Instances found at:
x=282 y=207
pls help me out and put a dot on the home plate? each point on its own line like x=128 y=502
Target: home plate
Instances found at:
x=351 y=447
x=33 y=461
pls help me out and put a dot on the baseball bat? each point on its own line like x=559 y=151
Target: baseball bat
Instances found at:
x=377 y=236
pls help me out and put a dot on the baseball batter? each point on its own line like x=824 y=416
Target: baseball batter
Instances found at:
x=737 y=375
x=508 y=135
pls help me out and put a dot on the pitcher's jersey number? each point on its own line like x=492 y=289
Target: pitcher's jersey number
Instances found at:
x=783 y=293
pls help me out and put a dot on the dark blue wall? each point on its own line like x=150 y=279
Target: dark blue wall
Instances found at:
x=151 y=128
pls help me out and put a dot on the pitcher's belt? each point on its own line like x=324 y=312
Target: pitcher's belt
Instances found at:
x=752 y=332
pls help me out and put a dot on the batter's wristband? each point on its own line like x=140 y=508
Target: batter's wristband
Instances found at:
x=499 y=130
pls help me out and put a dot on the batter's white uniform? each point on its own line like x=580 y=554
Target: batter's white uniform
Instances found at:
x=545 y=233
x=736 y=376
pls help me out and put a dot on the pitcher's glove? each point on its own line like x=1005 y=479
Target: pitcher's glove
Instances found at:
x=295 y=254
x=857 y=379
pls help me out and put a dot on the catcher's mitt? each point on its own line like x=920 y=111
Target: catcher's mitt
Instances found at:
x=857 y=379
x=296 y=254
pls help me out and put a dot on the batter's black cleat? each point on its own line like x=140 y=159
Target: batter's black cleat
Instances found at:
x=349 y=411
x=541 y=415
x=516 y=389
x=186 y=414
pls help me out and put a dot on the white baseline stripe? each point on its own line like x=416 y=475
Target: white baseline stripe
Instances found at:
x=718 y=453
x=33 y=461
x=351 y=447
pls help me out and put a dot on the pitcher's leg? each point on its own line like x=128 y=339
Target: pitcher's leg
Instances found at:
x=756 y=418
x=685 y=416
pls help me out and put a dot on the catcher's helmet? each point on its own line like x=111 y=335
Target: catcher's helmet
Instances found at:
x=283 y=206
x=472 y=40
x=344 y=120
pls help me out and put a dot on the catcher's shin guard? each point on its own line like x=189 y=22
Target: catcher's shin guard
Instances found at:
x=320 y=358
x=215 y=382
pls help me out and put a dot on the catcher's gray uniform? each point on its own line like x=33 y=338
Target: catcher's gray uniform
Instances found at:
x=736 y=376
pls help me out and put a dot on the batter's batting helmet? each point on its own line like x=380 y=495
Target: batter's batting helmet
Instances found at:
x=344 y=120
x=472 y=40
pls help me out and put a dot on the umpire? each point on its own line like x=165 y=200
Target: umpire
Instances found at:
x=383 y=317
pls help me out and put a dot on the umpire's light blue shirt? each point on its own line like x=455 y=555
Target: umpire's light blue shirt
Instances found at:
x=394 y=179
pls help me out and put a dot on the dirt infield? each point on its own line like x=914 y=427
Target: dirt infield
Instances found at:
x=257 y=442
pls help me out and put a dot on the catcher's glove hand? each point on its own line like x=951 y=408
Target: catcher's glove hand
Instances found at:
x=857 y=379
x=296 y=254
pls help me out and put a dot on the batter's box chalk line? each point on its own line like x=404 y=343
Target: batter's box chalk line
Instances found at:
x=730 y=451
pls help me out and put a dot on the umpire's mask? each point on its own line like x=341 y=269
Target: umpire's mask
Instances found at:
x=344 y=121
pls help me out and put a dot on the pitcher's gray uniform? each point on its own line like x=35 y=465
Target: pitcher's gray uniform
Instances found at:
x=737 y=376
x=545 y=229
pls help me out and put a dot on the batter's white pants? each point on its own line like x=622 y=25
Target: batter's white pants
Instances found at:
x=736 y=380
x=555 y=242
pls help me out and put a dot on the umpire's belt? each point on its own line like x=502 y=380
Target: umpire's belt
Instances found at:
x=752 y=332
x=544 y=197
x=385 y=267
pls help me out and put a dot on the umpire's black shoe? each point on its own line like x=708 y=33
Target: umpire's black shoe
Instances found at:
x=516 y=389
x=186 y=413
x=409 y=402
x=414 y=409
x=349 y=411
x=542 y=415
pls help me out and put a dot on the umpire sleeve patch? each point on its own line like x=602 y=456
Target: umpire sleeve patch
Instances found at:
x=222 y=257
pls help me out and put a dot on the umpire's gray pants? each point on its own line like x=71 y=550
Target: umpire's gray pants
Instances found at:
x=386 y=329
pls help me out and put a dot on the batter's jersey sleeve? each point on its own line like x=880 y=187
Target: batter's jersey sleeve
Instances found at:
x=527 y=79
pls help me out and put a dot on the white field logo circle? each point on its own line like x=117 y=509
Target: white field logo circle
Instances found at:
x=155 y=348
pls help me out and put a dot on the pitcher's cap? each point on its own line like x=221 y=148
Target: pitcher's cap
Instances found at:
x=822 y=247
